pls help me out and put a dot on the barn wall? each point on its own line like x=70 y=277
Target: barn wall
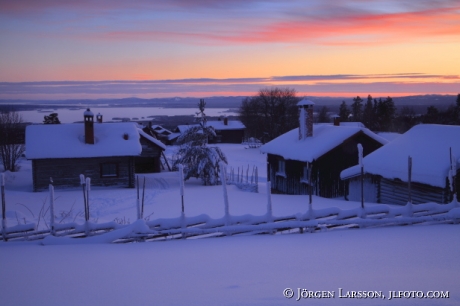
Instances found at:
x=227 y=136
x=396 y=192
x=66 y=172
x=149 y=149
x=149 y=160
x=232 y=136
x=338 y=159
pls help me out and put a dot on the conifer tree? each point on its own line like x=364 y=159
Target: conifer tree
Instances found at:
x=344 y=112
x=199 y=159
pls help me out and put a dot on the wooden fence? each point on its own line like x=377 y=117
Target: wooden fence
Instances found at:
x=202 y=226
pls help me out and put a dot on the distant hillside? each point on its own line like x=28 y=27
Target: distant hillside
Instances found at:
x=418 y=102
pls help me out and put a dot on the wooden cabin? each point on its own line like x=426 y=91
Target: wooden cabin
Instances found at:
x=227 y=131
x=314 y=155
x=434 y=150
x=105 y=152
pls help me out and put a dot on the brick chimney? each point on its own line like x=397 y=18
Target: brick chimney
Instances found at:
x=336 y=120
x=89 y=126
x=99 y=118
x=305 y=118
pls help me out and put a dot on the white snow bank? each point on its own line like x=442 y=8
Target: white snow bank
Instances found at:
x=135 y=227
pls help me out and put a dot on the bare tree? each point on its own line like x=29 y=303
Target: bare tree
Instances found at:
x=272 y=112
x=11 y=146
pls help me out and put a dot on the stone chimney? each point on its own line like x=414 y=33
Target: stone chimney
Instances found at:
x=305 y=118
x=99 y=118
x=89 y=126
x=336 y=120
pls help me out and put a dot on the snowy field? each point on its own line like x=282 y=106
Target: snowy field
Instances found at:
x=238 y=270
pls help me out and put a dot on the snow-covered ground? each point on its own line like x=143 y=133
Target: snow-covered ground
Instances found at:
x=239 y=270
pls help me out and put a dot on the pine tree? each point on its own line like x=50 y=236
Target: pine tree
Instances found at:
x=323 y=116
x=432 y=115
x=199 y=159
x=386 y=112
x=368 y=114
x=357 y=109
x=344 y=112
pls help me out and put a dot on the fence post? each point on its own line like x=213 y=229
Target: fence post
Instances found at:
x=51 y=195
x=257 y=180
x=83 y=186
x=361 y=164
x=269 y=196
x=311 y=215
x=88 y=188
x=310 y=185
x=453 y=176
x=143 y=197
x=2 y=183
x=409 y=180
x=181 y=184
x=138 y=202
x=224 y=187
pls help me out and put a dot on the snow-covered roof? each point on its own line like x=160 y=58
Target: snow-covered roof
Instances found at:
x=305 y=102
x=184 y=127
x=88 y=112
x=388 y=135
x=231 y=125
x=427 y=144
x=325 y=138
x=68 y=140
x=173 y=136
x=160 y=130
x=217 y=125
x=151 y=139
x=356 y=124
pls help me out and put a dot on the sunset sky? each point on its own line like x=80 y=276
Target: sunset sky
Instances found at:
x=57 y=49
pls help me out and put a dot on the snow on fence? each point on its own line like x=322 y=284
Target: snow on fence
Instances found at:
x=251 y=143
x=203 y=226
x=247 y=180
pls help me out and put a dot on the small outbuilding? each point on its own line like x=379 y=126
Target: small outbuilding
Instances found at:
x=152 y=151
x=314 y=155
x=434 y=151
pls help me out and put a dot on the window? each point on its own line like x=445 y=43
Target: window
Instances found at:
x=305 y=174
x=109 y=170
x=281 y=168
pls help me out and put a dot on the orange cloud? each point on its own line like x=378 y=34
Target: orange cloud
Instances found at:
x=359 y=29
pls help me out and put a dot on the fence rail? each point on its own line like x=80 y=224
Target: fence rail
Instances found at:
x=203 y=226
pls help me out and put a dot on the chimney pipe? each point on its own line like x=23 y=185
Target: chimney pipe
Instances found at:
x=89 y=126
x=305 y=118
x=336 y=120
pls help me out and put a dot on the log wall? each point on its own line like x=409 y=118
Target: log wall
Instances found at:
x=66 y=171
